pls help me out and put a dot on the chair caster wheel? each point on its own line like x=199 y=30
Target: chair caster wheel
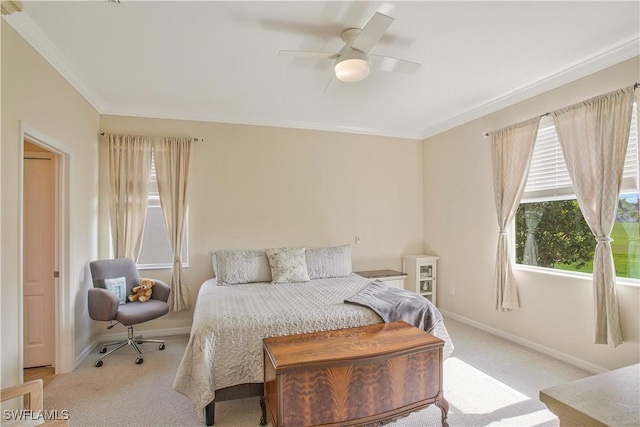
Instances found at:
x=103 y=350
x=139 y=361
x=161 y=346
x=98 y=363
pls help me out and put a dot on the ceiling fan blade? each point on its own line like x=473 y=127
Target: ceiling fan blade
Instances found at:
x=308 y=54
x=387 y=63
x=372 y=32
x=326 y=88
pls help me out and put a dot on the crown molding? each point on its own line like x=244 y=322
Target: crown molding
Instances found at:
x=7 y=7
x=605 y=58
x=200 y=116
x=31 y=32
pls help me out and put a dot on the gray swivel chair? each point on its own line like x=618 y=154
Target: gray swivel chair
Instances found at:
x=104 y=305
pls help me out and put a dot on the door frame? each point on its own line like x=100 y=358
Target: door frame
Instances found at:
x=64 y=314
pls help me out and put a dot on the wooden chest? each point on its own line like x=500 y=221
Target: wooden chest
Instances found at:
x=352 y=376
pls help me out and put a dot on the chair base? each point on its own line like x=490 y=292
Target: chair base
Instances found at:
x=132 y=341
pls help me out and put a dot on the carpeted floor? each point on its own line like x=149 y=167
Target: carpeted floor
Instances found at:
x=487 y=381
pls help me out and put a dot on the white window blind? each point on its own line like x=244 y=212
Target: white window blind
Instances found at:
x=548 y=175
x=155 y=251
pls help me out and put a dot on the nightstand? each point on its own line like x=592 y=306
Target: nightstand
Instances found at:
x=422 y=275
x=390 y=277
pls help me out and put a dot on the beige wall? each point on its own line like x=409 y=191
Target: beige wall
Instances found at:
x=258 y=187
x=461 y=227
x=32 y=91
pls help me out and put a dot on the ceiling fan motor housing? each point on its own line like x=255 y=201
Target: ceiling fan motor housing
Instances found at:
x=352 y=65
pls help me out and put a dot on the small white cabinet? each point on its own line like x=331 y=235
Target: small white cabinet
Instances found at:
x=422 y=274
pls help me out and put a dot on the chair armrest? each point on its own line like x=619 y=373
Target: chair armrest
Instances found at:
x=31 y=388
x=103 y=304
x=161 y=291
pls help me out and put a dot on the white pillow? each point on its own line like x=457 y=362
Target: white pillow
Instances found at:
x=330 y=261
x=288 y=265
x=233 y=267
x=118 y=286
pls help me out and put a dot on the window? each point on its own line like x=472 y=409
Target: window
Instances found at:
x=549 y=228
x=156 y=249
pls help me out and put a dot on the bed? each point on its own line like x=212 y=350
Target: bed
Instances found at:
x=223 y=359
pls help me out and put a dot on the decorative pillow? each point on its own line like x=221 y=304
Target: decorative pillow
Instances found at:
x=241 y=266
x=330 y=261
x=118 y=286
x=288 y=265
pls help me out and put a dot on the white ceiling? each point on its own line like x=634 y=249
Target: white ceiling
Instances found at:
x=218 y=61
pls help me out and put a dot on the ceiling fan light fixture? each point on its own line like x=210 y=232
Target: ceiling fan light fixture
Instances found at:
x=352 y=66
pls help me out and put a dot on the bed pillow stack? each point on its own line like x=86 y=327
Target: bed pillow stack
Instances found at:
x=281 y=265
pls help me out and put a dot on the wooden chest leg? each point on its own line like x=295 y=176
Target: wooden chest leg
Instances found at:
x=442 y=403
x=263 y=406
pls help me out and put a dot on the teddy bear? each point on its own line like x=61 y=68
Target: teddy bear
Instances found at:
x=143 y=292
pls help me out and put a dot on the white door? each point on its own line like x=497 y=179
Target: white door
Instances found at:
x=39 y=259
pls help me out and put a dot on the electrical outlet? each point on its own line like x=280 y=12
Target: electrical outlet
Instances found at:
x=452 y=292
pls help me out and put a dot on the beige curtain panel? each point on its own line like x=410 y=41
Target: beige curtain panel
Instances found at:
x=511 y=151
x=594 y=135
x=171 y=157
x=129 y=170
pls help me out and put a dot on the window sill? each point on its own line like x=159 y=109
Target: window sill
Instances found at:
x=620 y=281
x=158 y=266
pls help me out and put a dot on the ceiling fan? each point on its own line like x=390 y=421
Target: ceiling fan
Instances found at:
x=353 y=62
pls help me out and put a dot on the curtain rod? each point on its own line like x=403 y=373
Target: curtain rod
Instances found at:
x=486 y=134
x=192 y=139
x=635 y=86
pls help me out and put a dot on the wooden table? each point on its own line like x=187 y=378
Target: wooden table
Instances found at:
x=608 y=399
x=390 y=277
x=353 y=376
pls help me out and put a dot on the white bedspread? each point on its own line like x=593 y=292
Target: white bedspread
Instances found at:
x=229 y=323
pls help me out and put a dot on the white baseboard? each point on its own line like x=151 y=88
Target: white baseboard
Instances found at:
x=121 y=336
x=571 y=360
x=84 y=353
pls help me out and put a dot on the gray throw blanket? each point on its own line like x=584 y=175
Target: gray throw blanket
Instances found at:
x=393 y=304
